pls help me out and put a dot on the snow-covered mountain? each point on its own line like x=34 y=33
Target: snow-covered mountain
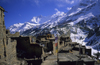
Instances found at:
x=83 y=20
x=35 y=21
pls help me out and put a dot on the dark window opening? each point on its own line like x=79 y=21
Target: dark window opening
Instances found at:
x=1 y=13
x=3 y=23
x=12 y=40
x=5 y=53
x=0 y=56
x=67 y=37
x=7 y=41
x=32 y=39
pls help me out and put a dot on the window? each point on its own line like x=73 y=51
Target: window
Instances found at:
x=32 y=40
x=3 y=23
x=0 y=56
x=1 y=14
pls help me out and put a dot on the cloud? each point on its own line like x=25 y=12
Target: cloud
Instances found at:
x=69 y=2
x=63 y=3
x=19 y=14
x=66 y=1
x=69 y=8
x=56 y=9
x=37 y=2
x=60 y=5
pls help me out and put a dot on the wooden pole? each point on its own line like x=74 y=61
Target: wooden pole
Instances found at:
x=57 y=42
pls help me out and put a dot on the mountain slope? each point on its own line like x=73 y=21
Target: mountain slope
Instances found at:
x=35 y=21
x=82 y=12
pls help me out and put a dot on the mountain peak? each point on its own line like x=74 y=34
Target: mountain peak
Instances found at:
x=58 y=13
x=35 y=19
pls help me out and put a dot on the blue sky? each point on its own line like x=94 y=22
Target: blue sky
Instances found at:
x=20 y=11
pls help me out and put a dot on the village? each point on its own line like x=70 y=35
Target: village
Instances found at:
x=44 y=49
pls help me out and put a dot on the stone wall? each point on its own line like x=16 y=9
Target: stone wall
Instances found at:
x=2 y=36
x=7 y=45
x=17 y=34
x=25 y=49
x=11 y=51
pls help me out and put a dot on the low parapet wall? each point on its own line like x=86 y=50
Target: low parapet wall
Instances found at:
x=17 y=34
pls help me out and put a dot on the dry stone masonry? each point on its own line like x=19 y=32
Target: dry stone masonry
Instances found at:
x=7 y=45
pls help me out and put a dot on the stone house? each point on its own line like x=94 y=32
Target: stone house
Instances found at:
x=7 y=45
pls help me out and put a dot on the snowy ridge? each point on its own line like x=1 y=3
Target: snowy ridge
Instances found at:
x=35 y=21
x=21 y=27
